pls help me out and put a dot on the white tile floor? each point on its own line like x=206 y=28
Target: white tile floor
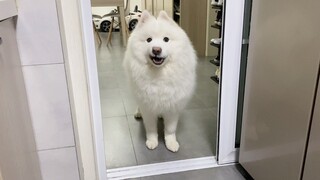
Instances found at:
x=125 y=136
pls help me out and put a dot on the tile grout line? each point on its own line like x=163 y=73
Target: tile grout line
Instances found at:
x=114 y=116
x=134 y=149
x=126 y=114
x=39 y=150
x=126 y=111
x=48 y=64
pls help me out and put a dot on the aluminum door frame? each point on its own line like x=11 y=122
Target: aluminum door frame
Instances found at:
x=229 y=88
x=227 y=153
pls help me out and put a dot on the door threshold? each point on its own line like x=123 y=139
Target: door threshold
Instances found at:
x=163 y=168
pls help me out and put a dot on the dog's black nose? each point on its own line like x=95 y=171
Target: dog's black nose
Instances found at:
x=156 y=50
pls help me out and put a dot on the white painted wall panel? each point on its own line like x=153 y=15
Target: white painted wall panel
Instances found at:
x=49 y=105
x=38 y=32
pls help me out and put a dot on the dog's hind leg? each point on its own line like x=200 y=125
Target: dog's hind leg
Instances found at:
x=137 y=114
x=170 y=126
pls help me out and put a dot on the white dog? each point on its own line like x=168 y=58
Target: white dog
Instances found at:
x=161 y=65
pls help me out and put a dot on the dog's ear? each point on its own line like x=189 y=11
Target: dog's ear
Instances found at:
x=145 y=15
x=163 y=15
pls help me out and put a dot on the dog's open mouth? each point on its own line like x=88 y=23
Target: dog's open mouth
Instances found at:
x=157 y=60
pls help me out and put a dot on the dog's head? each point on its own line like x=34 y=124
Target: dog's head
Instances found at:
x=156 y=39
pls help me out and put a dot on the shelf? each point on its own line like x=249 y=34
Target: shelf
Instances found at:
x=217 y=6
x=215 y=45
x=216 y=26
x=215 y=79
x=215 y=62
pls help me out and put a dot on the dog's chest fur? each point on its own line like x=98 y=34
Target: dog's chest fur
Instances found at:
x=162 y=89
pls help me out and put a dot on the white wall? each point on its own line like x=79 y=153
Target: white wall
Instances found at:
x=39 y=42
x=133 y=3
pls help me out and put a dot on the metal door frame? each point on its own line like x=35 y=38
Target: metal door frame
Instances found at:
x=229 y=88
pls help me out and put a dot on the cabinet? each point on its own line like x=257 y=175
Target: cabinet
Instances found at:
x=18 y=155
x=280 y=91
x=312 y=161
x=193 y=19
x=7 y=9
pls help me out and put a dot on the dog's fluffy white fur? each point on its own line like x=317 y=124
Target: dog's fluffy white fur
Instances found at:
x=161 y=65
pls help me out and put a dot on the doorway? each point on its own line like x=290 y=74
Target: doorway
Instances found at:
x=117 y=80
x=124 y=136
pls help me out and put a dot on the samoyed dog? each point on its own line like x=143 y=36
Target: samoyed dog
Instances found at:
x=161 y=66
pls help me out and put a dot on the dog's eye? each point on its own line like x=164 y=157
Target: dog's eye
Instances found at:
x=165 y=39
x=149 y=40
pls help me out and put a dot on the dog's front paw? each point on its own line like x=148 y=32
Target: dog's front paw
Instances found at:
x=172 y=145
x=152 y=143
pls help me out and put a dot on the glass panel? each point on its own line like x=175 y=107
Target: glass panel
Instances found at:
x=127 y=143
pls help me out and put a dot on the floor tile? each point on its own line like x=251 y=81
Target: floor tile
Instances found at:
x=105 y=66
x=196 y=134
x=208 y=93
x=195 y=103
x=110 y=94
x=209 y=100
x=129 y=101
x=112 y=107
x=127 y=94
x=130 y=106
x=107 y=80
x=123 y=83
x=143 y=154
x=118 y=145
x=219 y=173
